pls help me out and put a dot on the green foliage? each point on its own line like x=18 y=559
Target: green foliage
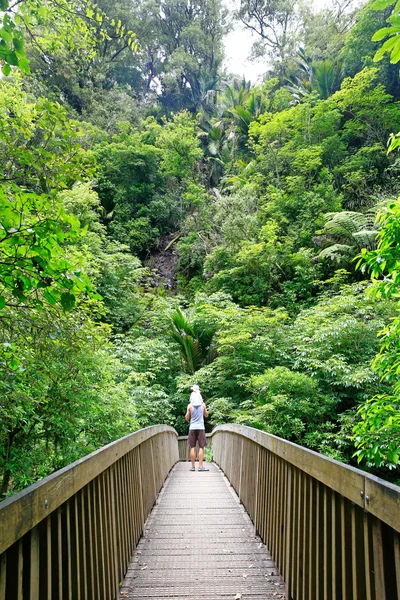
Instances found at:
x=377 y=433
x=392 y=44
x=163 y=224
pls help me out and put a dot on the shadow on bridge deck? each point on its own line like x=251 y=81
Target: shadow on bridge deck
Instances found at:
x=199 y=543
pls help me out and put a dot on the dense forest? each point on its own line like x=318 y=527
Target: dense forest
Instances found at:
x=164 y=222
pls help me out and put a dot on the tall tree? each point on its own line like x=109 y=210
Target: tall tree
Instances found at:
x=274 y=22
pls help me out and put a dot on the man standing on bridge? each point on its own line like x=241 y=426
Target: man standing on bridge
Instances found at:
x=196 y=411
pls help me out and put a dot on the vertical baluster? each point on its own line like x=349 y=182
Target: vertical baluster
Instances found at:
x=49 y=562
x=294 y=559
x=289 y=520
x=139 y=460
x=264 y=493
x=34 y=574
x=367 y=560
x=127 y=505
x=325 y=556
x=273 y=504
x=354 y=552
x=105 y=559
x=119 y=522
x=282 y=529
x=396 y=548
x=100 y=553
x=258 y=492
x=135 y=499
x=113 y=492
x=240 y=470
x=333 y=545
x=77 y=549
x=92 y=541
x=312 y=542
x=83 y=553
x=110 y=532
x=60 y=555
x=344 y=547
x=69 y=551
x=131 y=502
x=20 y=574
x=3 y=575
x=306 y=539
x=278 y=512
x=379 y=574
x=153 y=469
x=300 y=558
x=318 y=582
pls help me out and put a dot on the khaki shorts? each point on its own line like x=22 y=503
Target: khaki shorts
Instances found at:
x=197 y=435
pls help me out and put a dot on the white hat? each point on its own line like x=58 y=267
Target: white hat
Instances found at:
x=195 y=388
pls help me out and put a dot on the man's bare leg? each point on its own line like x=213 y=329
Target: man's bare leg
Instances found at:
x=201 y=455
x=193 y=456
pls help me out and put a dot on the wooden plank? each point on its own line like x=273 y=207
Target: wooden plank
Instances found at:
x=69 y=551
x=78 y=529
x=92 y=567
x=306 y=534
x=354 y=552
x=49 y=568
x=84 y=527
x=34 y=566
x=258 y=486
x=396 y=548
x=311 y=591
x=383 y=501
x=294 y=560
x=367 y=560
x=289 y=519
x=112 y=488
x=343 y=547
x=23 y=511
x=20 y=572
x=334 y=546
x=102 y=545
x=60 y=554
x=379 y=567
x=299 y=537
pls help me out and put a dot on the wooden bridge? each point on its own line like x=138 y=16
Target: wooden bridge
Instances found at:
x=284 y=522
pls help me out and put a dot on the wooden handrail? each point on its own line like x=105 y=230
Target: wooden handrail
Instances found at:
x=332 y=529
x=72 y=534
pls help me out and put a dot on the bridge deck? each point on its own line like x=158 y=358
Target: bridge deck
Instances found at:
x=199 y=543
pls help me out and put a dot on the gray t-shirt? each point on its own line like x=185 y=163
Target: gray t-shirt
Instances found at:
x=197 y=417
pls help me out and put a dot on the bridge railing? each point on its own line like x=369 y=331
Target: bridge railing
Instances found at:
x=72 y=534
x=333 y=530
x=184 y=450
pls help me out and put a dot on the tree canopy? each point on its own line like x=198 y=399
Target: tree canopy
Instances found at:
x=164 y=222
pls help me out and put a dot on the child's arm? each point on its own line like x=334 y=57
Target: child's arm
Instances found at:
x=205 y=411
x=188 y=412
